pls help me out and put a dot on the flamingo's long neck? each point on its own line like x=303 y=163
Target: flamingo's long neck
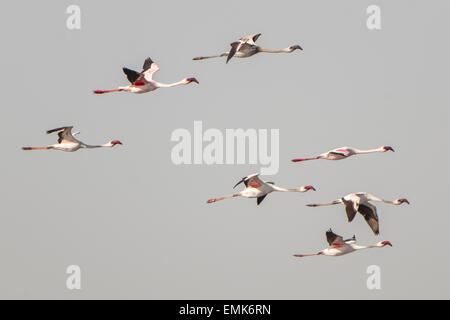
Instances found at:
x=358 y=247
x=357 y=151
x=106 y=145
x=164 y=85
x=261 y=49
x=389 y=202
x=374 y=198
x=280 y=189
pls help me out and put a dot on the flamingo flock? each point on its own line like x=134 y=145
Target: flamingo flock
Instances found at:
x=255 y=187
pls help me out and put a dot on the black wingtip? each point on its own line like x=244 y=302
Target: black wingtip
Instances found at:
x=58 y=129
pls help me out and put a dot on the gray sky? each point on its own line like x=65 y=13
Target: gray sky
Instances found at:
x=138 y=225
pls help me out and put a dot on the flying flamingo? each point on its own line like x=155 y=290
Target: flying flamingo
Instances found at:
x=359 y=202
x=245 y=47
x=67 y=142
x=344 y=152
x=143 y=82
x=339 y=246
x=256 y=188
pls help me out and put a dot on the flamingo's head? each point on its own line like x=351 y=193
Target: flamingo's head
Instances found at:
x=295 y=47
x=115 y=142
x=307 y=188
x=401 y=201
x=385 y=243
x=189 y=80
x=388 y=148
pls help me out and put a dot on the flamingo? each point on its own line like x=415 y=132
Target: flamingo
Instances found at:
x=67 y=142
x=245 y=47
x=343 y=153
x=339 y=246
x=256 y=188
x=143 y=82
x=359 y=202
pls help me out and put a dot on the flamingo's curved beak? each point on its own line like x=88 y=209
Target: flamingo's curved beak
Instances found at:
x=404 y=201
x=310 y=188
x=193 y=80
x=296 y=47
x=116 y=142
x=386 y=243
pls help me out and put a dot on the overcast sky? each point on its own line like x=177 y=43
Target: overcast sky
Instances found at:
x=138 y=225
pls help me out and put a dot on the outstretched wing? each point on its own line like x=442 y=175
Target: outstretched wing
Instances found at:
x=334 y=239
x=234 y=48
x=260 y=199
x=254 y=181
x=339 y=154
x=369 y=212
x=64 y=134
x=147 y=64
x=132 y=75
x=350 y=209
x=251 y=180
x=58 y=129
x=250 y=38
x=149 y=68
x=255 y=37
